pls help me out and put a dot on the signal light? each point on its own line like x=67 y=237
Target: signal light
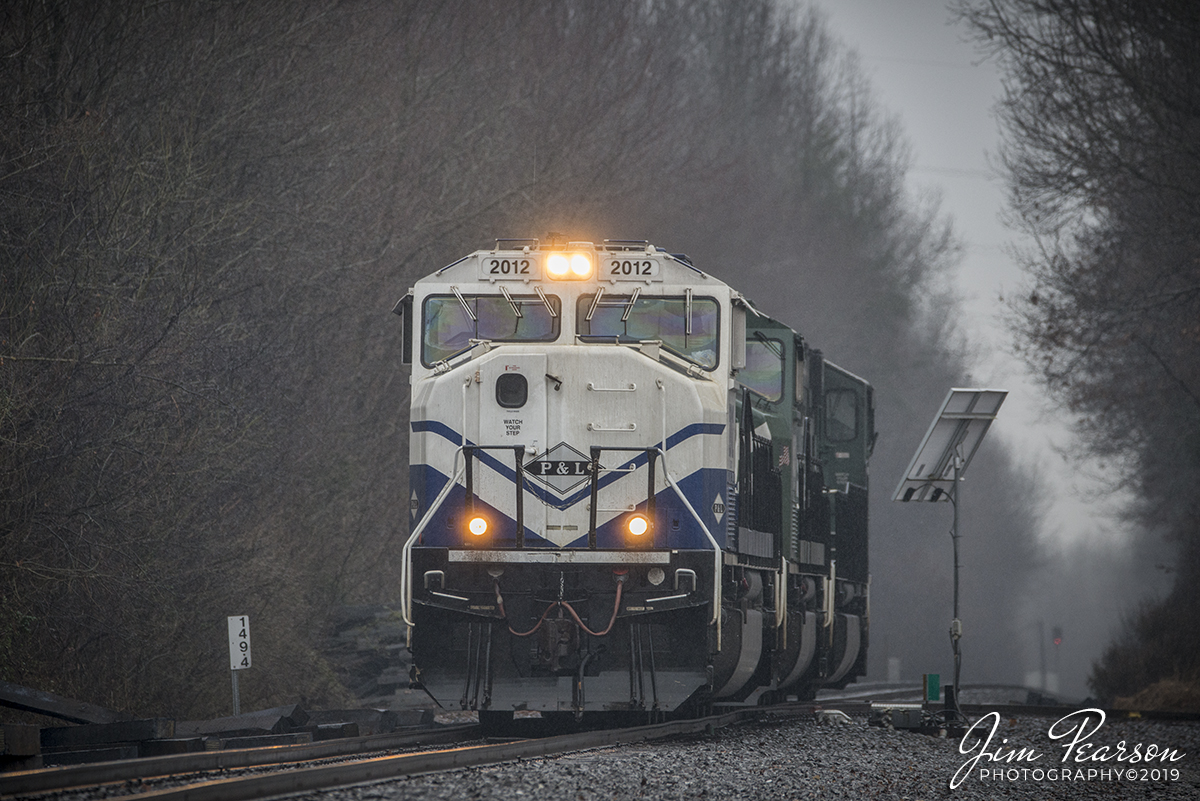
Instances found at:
x=477 y=526
x=638 y=525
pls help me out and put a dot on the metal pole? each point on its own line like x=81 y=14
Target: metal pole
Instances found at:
x=954 y=537
x=520 y=453
x=595 y=497
x=1042 y=653
x=237 y=704
x=956 y=623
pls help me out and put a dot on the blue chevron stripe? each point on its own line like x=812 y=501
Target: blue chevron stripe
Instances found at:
x=486 y=457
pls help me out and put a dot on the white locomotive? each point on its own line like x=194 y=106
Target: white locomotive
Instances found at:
x=631 y=491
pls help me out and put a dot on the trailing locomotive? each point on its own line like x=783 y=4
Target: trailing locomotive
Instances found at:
x=631 y=491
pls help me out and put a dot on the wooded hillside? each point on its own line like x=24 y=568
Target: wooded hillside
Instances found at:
x=208 y=210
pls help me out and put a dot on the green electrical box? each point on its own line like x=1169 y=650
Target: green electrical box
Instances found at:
x=932 y=684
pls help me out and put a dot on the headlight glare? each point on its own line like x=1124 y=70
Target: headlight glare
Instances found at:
x=581 y=265
x=576 y=263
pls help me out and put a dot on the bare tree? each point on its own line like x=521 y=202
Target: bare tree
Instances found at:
x=1102 y=114
x=206 y=213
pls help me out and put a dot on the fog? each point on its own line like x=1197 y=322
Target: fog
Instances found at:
x=210 y=213
x=1089 y=573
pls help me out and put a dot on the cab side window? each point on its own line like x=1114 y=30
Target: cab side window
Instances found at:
x=763 y=372
x=841 y=415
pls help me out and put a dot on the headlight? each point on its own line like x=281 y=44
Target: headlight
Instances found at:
x=581 y=265
x=572 y=265
x=477 y=526
x=638 y=525
x=557 y=265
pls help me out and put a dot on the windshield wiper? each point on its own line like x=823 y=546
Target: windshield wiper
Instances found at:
x=516 y=309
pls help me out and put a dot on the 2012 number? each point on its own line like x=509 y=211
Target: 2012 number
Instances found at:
x=631 y=268
x=508 y=266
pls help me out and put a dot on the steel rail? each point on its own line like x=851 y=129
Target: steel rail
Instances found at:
x=320 y=777
x=381 y=768
x=51 y=779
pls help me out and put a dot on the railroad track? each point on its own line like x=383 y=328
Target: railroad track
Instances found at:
x=979 y=699
x=283 y=770
x=190 y=776
x=143 y=770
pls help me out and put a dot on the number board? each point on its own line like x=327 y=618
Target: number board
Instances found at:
x=239 y=642
x=627 y=267
x=511 y=267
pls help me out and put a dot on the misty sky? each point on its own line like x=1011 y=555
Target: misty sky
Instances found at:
x=933 y=81
x=924 y=72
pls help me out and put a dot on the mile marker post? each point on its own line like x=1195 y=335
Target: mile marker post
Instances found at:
x=239 y=653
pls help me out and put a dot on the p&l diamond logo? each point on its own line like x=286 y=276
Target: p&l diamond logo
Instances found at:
x=562 y=468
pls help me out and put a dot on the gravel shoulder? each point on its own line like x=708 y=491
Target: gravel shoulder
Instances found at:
x=806 y=759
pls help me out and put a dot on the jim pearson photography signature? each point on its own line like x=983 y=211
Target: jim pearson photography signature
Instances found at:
x=1076 y=730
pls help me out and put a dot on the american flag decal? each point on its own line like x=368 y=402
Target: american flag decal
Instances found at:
x=785 y=455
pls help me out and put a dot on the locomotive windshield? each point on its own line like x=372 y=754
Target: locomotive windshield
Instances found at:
x=687 y=326
x=451 y=322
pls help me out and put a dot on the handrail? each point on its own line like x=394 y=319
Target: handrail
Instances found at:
x=717 y=552
x=781 y=598
x=406 y=551
x=468 y=453
x=518 y=451
x=596 y=469
x=630 y=387
x=651 y=452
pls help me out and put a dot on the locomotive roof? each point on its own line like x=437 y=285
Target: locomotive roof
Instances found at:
x=613 y=262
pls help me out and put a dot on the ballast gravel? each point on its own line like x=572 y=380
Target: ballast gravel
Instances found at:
x=803 y=759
